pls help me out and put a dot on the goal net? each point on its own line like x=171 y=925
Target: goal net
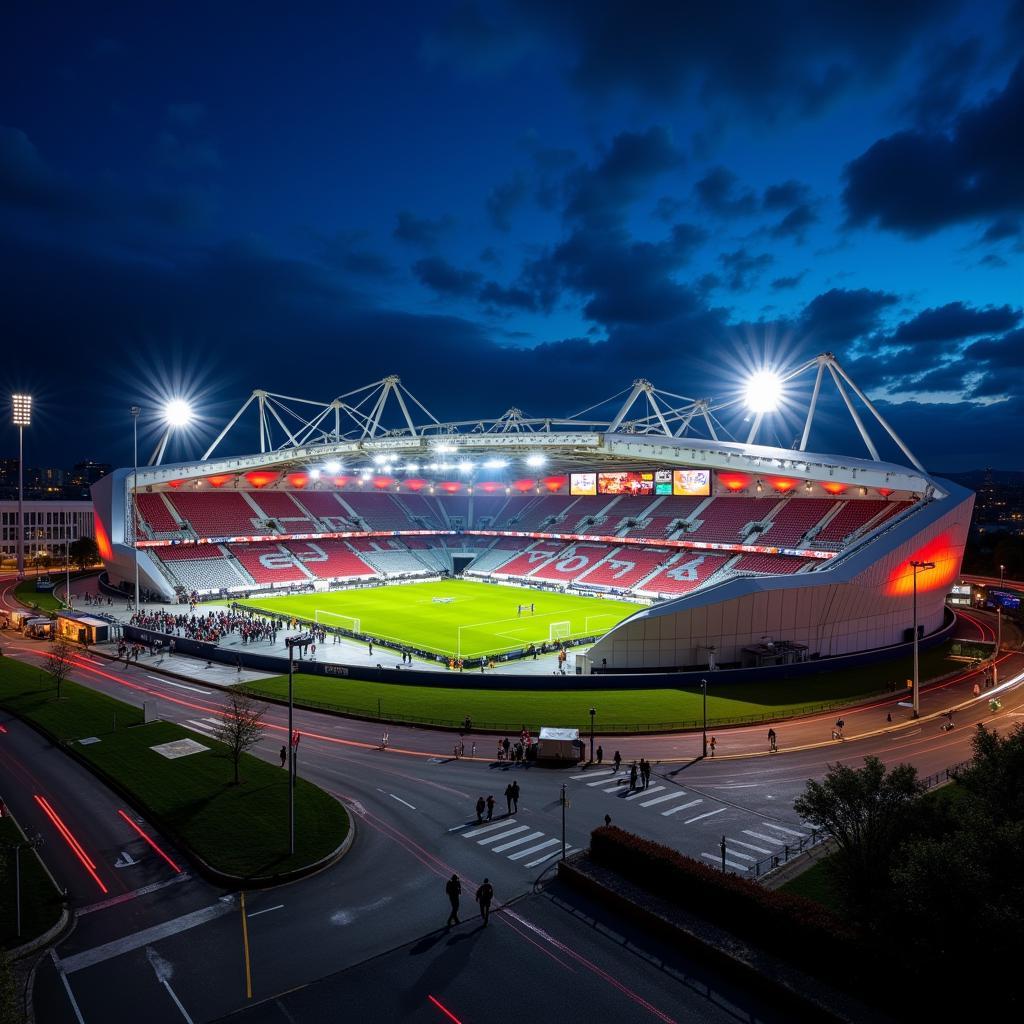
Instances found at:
x=559 y=630
x=326 y=618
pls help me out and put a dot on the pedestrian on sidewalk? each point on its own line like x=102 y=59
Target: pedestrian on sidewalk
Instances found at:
x=712 y=743
x=490 y=807
x=772 y=746
x=515 y=796
x=284 y=755
x=480 y=805
x=632 y=775
x=508 y=799
x=600 y=754
x=617 y=760
x=484 y=895
x=453 y=887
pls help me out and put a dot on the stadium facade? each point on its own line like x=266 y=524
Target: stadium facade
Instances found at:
x=735 y=551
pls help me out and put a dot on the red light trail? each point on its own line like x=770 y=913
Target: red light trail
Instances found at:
x=76 y=846
x=150 y=841
x=444 y=1009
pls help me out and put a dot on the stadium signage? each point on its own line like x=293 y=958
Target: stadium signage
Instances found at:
x=643 y=484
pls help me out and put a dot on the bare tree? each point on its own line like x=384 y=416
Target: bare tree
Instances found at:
x=59 y=662
x=241 y=726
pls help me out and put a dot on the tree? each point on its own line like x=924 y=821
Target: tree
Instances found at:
x=995 y=775
x=864 y=812
x=59 y=662
x=84 y=552
x=241 y=726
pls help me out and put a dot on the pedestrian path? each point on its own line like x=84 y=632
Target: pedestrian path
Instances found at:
x=508 y=835
x=617 y=782
x=206 y=726
x=764 y=839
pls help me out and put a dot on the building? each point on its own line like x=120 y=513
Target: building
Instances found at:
x=49 y=526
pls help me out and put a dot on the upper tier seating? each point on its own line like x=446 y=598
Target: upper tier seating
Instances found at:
x=392 y=558
x=269 y=563
x=156 y=515
x=326 y=507
x=220 y=514
x=572 y=562
x=538 y=552
x=798 y=515
x=278 y=505
x=628 y=507
x=664 y=516
x=486 y=509
x=724 y=519
x=423 y=509
x=625 y=568
x=686 y=574
x=330 y=559
x=852 y=517
x=777 y=565
x=379 y=511
x=532 y=516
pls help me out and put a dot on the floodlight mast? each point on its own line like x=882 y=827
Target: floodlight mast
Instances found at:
x=22 y=416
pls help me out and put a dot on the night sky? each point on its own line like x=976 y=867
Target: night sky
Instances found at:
x=513 y=204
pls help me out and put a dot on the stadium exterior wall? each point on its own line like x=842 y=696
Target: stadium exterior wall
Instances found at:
x=860 y=602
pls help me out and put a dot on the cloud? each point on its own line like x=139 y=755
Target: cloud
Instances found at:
x=944 y=83
x=840 y=315
x=347 y=251
x=782 y=283
x=421 y=231
x=917 y=182
x=445 y=279
x=796 y=222
x=503 y=199
x=954 y=321
x=495 y=294
x=785 y=195
x=27 y=180
x=1001 y=229
x=717 y=192
x=744 y=268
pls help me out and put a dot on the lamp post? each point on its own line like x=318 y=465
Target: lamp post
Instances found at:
x=22 y=408
x=999 y=614
x=917 y=567
x=32 y=842
x=593 y=711
x=134 y=411
x=704 y=692
x=291 y=642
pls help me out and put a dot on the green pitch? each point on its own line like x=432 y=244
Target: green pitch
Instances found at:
x=455 y=618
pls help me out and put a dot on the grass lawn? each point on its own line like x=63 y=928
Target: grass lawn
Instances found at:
x=42 y=599
x=617 y=710
x=455 y=617
x=816 y=884
x=40 y=900
x=240 y=830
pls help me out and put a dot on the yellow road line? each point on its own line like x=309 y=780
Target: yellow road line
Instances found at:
x=245 y=946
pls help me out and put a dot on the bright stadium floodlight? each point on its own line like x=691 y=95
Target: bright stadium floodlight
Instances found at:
x=22 y=409
x=333 y=466
x=412 y=467
x=465 y=467
x=536 y=460
x=445 y=449
x=379 y=460
x=495 y=464
x=763 y=392
x=314 y=474
x=177 y=413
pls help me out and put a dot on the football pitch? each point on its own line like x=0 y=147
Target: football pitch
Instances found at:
x=455 y=618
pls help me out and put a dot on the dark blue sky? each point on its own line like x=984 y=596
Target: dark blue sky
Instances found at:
x=522 y=203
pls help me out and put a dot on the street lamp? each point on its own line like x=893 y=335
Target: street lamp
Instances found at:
x=32 y=842
x=21 y=406
x=917 y=567
x=593 y=711
x=704 y=692
x=291 y=642
x=999 y=613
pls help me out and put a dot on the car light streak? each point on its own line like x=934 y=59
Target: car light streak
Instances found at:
x=149 y=840
x=76 y=846
x=444 y=1009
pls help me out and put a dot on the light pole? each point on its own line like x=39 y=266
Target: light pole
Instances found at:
x=291 y=642
x=999 y=613
x=22 y=409
x=134 y=411
x=704 y=692
x=593 y=711
x=17 y=846
x=917 y=567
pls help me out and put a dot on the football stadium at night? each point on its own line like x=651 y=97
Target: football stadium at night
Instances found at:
x=644 y=537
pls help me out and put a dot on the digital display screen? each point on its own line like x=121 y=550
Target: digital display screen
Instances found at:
x=625 y=483
x=693 y=482
x=663 y=481
x=583 y=483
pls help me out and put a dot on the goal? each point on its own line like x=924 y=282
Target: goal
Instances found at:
x=326 y=618
x=559 y=630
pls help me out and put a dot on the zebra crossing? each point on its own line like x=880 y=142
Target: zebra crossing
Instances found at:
x=608 y=780
x=767 y=844
x=522 y=840
x=205 y=726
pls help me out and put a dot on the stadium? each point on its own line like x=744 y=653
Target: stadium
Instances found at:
x=647 y=537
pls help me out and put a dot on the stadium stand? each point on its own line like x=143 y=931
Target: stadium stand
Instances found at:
x=269 y=563
x=572 y=561
x=627 y=507
x=326 y=508
x=202 y=567
x=663 y=515
x=330 y=559
x=155 y=514
x=686 y=573
x=421 y=511
x=624 y=567
x=378 y=511
x=533 y=515
x=776 y=565
x=279 y=506
x=794 y=519
x=224 y=514
x=725 y=520
x=392 y=558
x=853 y=517
x=539 y=551
x=486 y=510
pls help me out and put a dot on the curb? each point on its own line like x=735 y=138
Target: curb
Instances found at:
x=40 y=941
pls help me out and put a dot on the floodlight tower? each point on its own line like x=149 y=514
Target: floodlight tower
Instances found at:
x=176 y=413
x=134 y=411
x=22 y=409
x=762 y=393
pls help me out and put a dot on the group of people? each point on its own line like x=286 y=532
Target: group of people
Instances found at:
x=487 y=806
x=639 y=772
x=211 y=627
x=484 y=897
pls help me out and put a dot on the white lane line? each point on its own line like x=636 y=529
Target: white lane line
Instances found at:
x=502 y=835
x=203 y=730
x=709 y=814
x=180 y=686
x=177 y=1002
x=266 y=910
x=401 y=801
x=455 y=828
x=590 y=775
x=604 y=782
x=214 y=721
x=534 y=849
x=643 y=792
x=728 y=863
x=761 y=835
x=748 y=846
x=517 y=842
x=782 y=828
x=540 y=860
x=488 y=828
x=67 y=986
x=730 y=852
x=125 y=896
x=661 y=799
x=109 y=950
x=681 y=807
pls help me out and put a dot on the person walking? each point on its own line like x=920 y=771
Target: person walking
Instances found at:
x=772 y=746
x=480 y=805
x=484 y=895
x=508 y=799
x=632 y=775
x=490 y=807
x=607 y=820
x=600 y=754
x=453 y=887
x=284 y=755
x=515 y=796
x=617 y=760
x=712 y=743
x=646 y=768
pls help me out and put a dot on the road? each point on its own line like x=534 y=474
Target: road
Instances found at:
x=384 y=903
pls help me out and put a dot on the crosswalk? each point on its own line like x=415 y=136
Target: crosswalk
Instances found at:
x=770 y=839
x=206 y=726
x=608 y=780
x=507 y=834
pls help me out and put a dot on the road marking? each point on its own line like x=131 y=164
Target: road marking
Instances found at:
x=401 y=801
x=455 y=828
x=489 y=828
x=709 y=814
x=177 y=1001
x=603 y=782
x=109 y=950
x=681 y=807
x=125 y=896
x=729 y=863
x=540 y=860
x=748 y=846
x=67 y=986
x=164 y=971
x=180 y=686
x=245 y=947
x=788 y=831
x=761 y=835
x=732 y=853
x=590 y=775
x=517 y=842
x=533 y=849
x=662 y=799
x=266 y=910
x=502 y=835
x=643 y=792
x=199 y=727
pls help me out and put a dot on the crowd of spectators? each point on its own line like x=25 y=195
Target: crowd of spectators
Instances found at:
x=211 y=627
